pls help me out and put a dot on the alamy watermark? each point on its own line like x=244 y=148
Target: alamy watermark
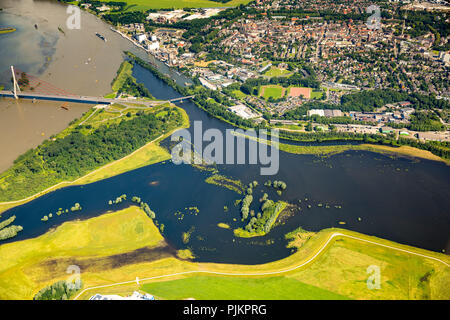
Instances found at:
x=74 y=19
x=374 y=280
x=74 y=281
x=229 y=150
x=374 y=21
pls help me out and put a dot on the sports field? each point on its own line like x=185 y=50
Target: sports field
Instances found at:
x=274 y=91
x=300 y=91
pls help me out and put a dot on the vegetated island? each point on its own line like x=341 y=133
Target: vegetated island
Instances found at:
x=6 y=231
x=260 y=223
x=216 y=105
x=7 y=30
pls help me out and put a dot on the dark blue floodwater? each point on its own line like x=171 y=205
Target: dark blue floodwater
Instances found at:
x=399 y=199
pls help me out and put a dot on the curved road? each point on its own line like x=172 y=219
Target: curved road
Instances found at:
x=336 y=234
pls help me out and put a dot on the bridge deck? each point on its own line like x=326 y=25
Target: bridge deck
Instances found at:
x=84 y=99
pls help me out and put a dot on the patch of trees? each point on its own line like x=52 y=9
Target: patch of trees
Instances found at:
x=9 y=232
x=425 y=121
x=422 y=22
x=61 y=290
x=125 y=17
x=441 y=149
x=144 y=206
x=245 y=207
x=340 y=120
x=215 y=106
x=262 y=223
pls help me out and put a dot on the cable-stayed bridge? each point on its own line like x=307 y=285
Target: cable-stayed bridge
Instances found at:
x=26 y=86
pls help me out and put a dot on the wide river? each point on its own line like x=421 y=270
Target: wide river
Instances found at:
x=400 y=199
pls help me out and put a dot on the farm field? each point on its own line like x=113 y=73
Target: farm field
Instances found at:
x=223 y=288
x=179 y=4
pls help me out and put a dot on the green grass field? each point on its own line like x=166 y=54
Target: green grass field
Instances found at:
x=316 y=94
x=178 y=4
x=276 y=72
x=274 y=91
x=125 y=70
x=226 y=288
x=22 y=271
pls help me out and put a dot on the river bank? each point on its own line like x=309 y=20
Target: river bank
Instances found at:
x=75 y=61
x=141 y=253
x=148 y=154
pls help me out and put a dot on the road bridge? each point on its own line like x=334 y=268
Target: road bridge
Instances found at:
x=84 y=99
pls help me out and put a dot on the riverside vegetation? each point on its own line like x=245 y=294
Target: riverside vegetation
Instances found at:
x=61 y=290
x=11 y=231
x=80 y=149
x=216 y=103
x=260 y=223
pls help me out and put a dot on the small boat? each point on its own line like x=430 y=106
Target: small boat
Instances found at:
x=35 y=26
x=100 y=36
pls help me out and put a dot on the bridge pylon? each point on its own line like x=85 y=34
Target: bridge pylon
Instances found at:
x=15 y=84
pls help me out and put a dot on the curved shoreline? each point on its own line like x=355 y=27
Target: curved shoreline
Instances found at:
x=4 y=206
x=304 y=262
x=7 y=30
x=302 y=150
x=322 y=245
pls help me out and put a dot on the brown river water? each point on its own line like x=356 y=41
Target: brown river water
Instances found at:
x=76 y=61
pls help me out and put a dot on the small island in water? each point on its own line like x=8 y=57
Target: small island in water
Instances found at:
x=7 y=30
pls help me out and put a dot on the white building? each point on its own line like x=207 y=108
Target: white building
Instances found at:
x=243 y=111
x=140 y=37
x=318 y=112
x=207 y=84
x=153 y=46
x=135 y=296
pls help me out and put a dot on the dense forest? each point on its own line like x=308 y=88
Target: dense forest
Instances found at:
x=77 y=153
